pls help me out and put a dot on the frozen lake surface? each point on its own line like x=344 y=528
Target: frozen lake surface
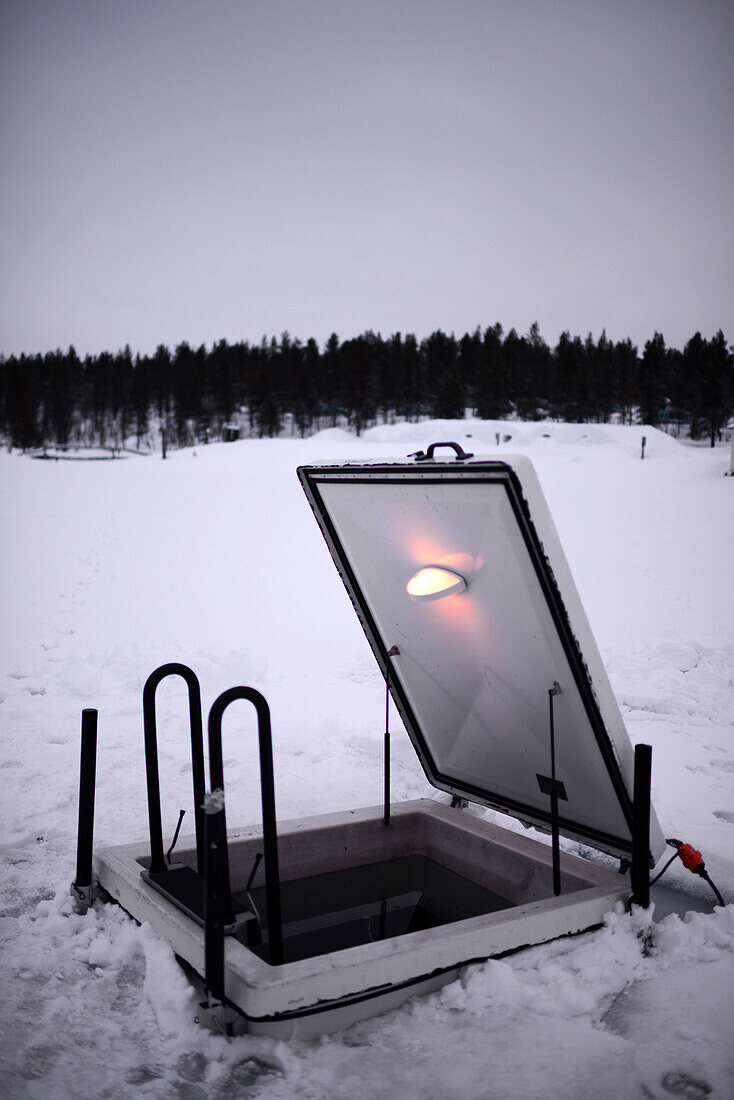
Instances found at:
x=213 y=558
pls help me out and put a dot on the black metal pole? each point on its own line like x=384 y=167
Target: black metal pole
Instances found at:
x=82 y=885
x=641 y=827
x=215 y=899
x=157 y=859
x=267 y=794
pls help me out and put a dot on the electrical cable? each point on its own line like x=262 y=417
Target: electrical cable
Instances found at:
x=175 y=835
x=705 y=874
x=665 y=868
x=692 y=860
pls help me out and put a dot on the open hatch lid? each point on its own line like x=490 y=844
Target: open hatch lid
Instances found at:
x=475 y=665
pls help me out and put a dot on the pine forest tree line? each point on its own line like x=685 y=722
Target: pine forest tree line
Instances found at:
x=191 y=394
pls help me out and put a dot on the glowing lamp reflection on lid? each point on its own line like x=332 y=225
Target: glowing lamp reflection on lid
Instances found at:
x=432 y=582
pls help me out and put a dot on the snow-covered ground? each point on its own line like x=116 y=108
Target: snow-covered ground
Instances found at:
x=213 y=558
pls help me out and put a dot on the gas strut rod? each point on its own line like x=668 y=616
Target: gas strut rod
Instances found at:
x=393 y=652
x=555 y=789
x=157 y=859
x=81 y=888
x=267 y=792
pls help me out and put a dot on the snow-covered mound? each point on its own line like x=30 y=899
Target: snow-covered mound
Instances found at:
x=213 y=557
x=481 y=436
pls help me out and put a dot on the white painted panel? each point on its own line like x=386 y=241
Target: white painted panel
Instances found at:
x=476 y=666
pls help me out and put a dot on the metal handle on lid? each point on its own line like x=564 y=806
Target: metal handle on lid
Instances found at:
x=426 y=456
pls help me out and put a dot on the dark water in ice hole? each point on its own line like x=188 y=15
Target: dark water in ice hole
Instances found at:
x=359 y=905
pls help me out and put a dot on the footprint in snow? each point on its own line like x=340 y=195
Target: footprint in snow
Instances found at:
x=680 y=1083
x=725 y=815
x=142 y=1075
x=39 y=1060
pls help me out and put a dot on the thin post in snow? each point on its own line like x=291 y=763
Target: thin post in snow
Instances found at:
x=81 y=888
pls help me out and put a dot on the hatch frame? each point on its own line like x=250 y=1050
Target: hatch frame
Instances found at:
x=484 y=471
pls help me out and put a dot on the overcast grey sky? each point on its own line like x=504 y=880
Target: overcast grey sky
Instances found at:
x=190 y=171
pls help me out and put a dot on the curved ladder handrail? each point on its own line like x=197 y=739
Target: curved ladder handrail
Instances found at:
x=267 y=791
x=157 y=860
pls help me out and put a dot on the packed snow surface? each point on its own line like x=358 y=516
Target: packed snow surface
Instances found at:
x=213 y=558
